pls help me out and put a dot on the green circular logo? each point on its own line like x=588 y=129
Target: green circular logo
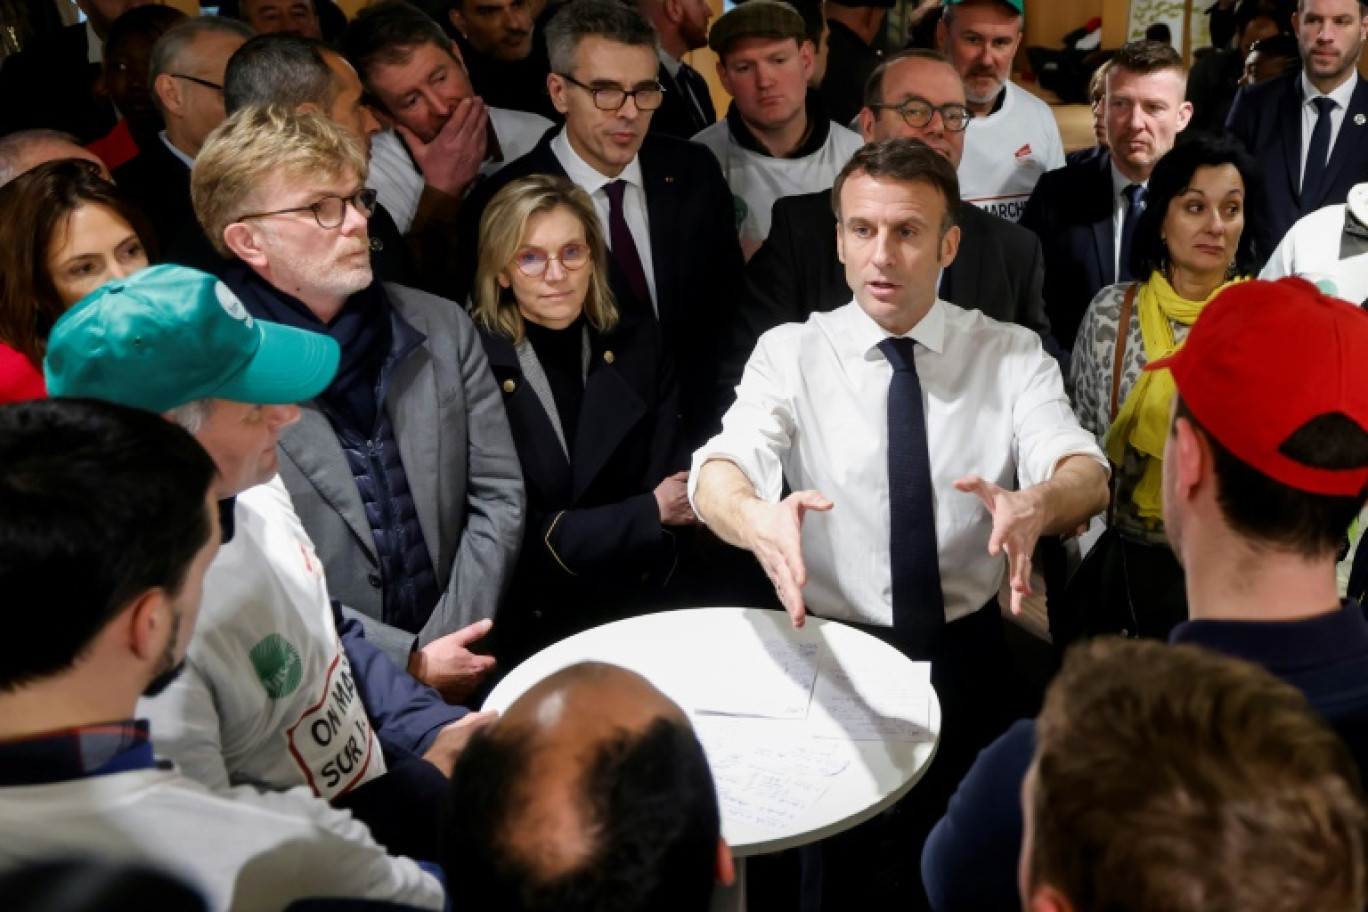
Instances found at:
x=740 y=208
x=277 y=664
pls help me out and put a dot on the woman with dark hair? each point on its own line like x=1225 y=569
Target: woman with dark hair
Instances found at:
x=64 y=232
x=594 y=407
x=1189 y=244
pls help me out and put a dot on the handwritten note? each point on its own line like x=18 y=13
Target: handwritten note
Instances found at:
x=777 y=685
x=765 y=799
x=882 y=701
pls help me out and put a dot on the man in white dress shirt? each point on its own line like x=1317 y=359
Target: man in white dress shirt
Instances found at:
x=813 y=409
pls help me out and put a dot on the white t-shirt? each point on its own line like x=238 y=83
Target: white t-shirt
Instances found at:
x=243 y=850
x=400 y=184
x=757 y=180
x=1006 y=152
x=267 y=697
x=1311 y=249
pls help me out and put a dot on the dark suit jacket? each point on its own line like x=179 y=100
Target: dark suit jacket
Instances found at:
x=797 y=272
x=1070 y=211
x=1266 y=118
x=694 y=252
x=51 y=84
x=676 y=115
x=159 y=183
x=849 y=63
x=594 y=549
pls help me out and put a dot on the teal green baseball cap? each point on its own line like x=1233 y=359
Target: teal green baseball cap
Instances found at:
x=169 y=335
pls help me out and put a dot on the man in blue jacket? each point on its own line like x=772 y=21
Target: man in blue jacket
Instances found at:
x=277 y=692
x=1265 y=467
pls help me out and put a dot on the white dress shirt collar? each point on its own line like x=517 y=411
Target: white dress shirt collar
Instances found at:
x=589 y=178
x=189 y=162
x=669 y=63
x=1342 y=94
x=864 y=335
x=94 y=46
x=1120 y=182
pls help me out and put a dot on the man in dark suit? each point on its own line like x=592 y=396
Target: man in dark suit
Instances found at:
x=1307 y=129
x=666 y=210
x=797 y=270
x=1084 y=213
x=188 y=63
x=51 y=82
x=683 y=27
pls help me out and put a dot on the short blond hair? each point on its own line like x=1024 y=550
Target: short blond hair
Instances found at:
x=252 y=146
x=501 y=234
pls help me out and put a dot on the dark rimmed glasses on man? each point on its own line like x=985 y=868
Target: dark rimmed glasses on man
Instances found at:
x=917 y=113
x=612 y=98
x=197 y=81
x=330 y=211
x=533 y=261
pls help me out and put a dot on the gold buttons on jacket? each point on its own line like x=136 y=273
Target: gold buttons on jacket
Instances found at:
x=608 y=357
x=509 y=386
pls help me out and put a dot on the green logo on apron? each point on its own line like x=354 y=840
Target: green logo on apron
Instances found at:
x=278 y=666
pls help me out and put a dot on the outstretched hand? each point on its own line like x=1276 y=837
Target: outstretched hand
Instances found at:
x=777 y=542
x=1018 y=522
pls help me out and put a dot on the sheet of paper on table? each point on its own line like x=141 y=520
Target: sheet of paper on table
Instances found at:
x=768 y=773
x=732 y=683
x=876 y=701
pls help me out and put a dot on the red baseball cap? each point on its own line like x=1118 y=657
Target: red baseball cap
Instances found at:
x=1262 y=361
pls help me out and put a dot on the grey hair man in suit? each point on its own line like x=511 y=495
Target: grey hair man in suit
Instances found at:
x=915 y=94
x=403 y=471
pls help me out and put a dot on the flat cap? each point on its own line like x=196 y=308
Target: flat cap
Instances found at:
x=756 y=19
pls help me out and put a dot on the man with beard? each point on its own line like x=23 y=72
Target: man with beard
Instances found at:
x=402 y=470
x=1085 y=213
x=507 y=68
x=107 y=527
x=1013 y=138
x=1307 y=129
x=683 y=27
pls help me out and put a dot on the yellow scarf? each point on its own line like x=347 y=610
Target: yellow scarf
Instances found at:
x=1142 y=423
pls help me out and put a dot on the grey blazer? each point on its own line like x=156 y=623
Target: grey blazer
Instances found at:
x=462 y=468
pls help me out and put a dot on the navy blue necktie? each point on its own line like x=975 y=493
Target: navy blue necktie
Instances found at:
x=1135 y=205
x=1313 y=173
x=918 y=605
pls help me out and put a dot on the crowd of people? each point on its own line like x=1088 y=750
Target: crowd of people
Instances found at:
x=345 y=365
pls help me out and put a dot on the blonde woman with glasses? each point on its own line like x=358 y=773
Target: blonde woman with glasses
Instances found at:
x=593 y=404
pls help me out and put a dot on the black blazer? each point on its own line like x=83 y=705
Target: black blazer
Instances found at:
x=594 y=549
x=694 y=252
x=159 y=183
x=676 y=115
x=1070 y=211
x=51 y=84
x=798 y=272
x=1266 y=118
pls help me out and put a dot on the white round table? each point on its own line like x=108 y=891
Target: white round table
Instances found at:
x=798 y=755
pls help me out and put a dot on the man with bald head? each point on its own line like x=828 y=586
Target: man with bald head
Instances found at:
x=915 y=94
x=27 y=149
x=590 y=788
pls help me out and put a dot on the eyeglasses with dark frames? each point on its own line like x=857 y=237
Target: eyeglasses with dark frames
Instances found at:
x=330 y=211
x=197 y=81
x=917 y=113
x=534 y=261
x=612 y=98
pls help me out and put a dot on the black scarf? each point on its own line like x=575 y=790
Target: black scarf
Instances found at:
x=362 y=329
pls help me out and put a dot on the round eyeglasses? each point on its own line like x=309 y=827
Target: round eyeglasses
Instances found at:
x=330 y=211
x=917 y=113
x=612 y=98
x=533 y=262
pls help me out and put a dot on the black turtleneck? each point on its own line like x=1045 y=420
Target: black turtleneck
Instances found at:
x=561 y=353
